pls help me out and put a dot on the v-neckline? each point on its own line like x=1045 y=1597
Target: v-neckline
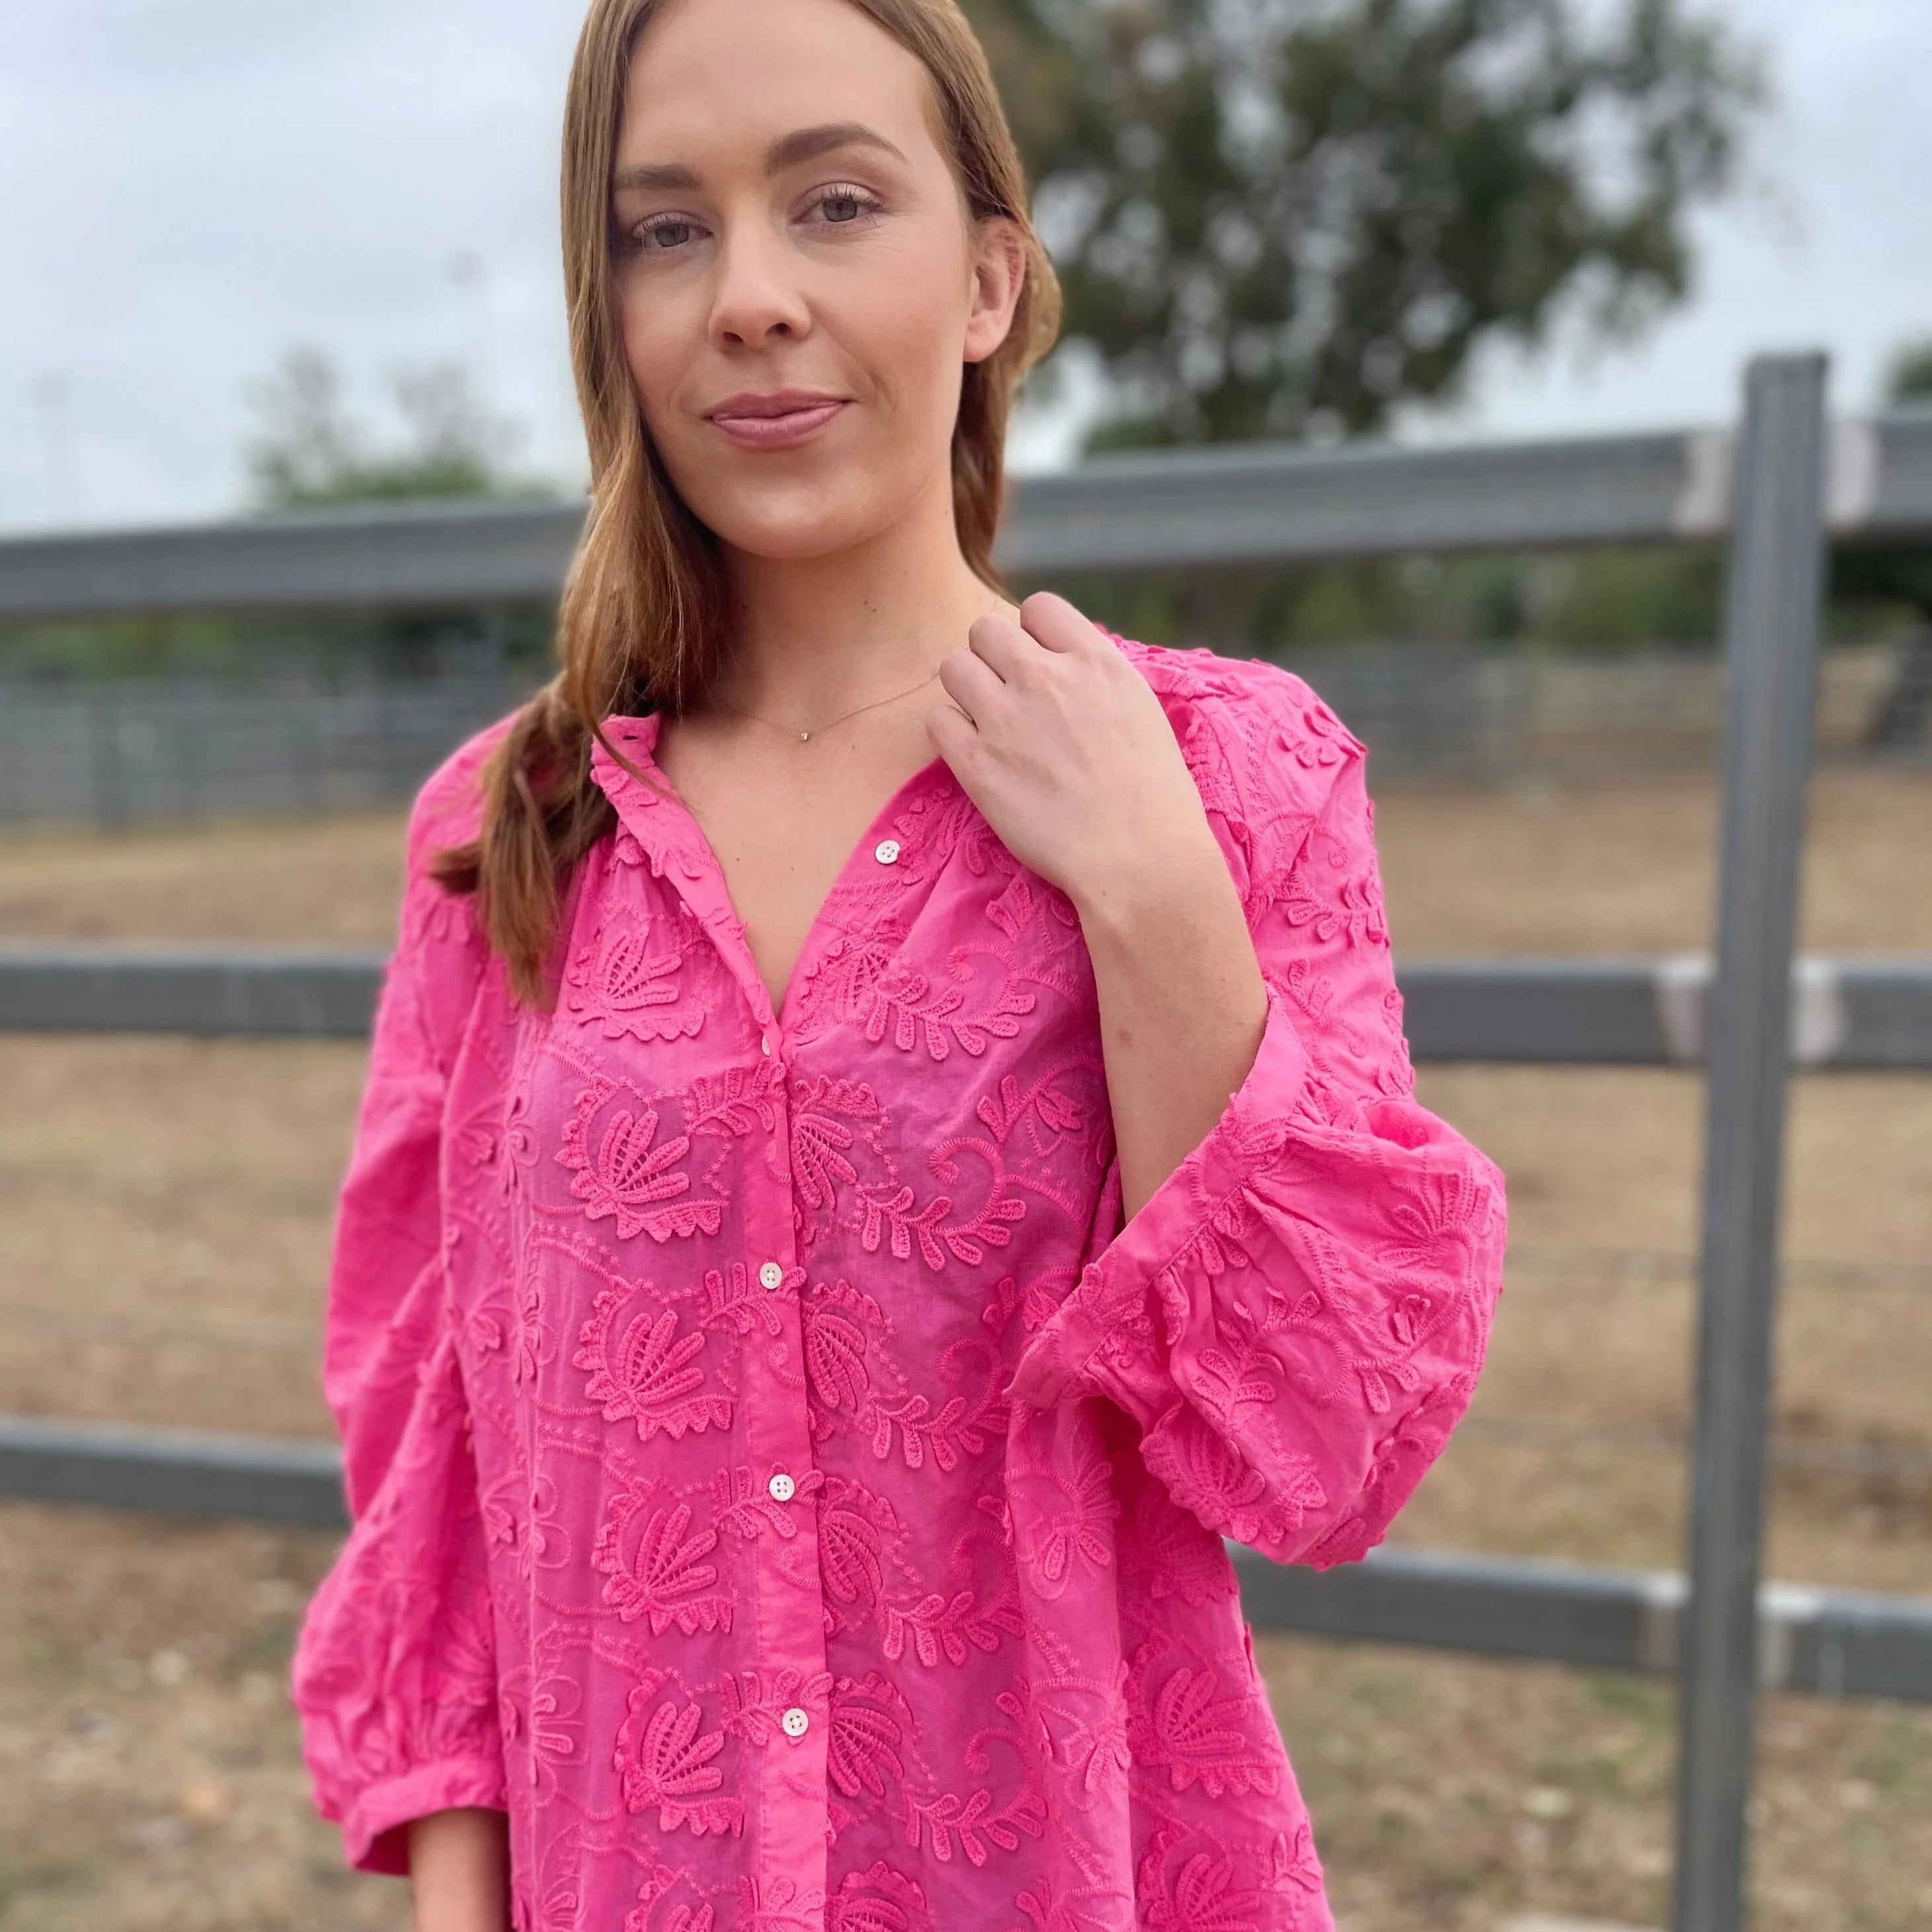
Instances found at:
x=705 y=890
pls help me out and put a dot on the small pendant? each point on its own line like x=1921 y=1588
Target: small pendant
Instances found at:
x=802 y=736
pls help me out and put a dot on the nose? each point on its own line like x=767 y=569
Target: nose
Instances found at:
x=757 y=299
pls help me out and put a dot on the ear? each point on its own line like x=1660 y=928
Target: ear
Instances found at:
x=999 y=274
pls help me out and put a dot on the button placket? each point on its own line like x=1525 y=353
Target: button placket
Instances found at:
x=789 y=1610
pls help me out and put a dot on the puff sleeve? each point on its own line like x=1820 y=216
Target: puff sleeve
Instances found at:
x=394 y=1675
x=1296 y=1317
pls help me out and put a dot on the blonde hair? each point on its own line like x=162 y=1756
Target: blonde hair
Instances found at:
x=641 y=625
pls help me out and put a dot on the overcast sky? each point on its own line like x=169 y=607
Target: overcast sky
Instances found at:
x=192 y=186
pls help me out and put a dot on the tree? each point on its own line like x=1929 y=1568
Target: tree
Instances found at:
x=1898 y=575
x=1909 y=377
x=310 y=451
x=1288 y=217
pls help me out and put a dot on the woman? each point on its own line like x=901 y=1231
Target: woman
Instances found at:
x=888 y=1136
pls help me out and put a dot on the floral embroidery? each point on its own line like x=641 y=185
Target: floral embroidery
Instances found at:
x=1075 y=1527
x=869 y=1719
x=629 y=1171
x=879 y=1899
x=1200 y=1893
x=656 y=1569
x=631 y=989
x=858 y=1562
x=651 y=1376
x=1188 y=1726
x=667 y=1766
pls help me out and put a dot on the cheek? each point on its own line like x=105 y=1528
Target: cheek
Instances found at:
x=655 y=351
x=908 y=321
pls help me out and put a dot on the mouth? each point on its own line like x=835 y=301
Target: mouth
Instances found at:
x=776 y=419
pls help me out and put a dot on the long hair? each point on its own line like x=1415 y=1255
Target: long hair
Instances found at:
x=641 y=625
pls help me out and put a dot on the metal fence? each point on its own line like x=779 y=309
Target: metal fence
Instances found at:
x=133 y=751
x=139 y=751
x=1775 y=490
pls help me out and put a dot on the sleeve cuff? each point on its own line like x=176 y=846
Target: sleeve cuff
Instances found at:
x=375 y=1827
x=1065 y=1358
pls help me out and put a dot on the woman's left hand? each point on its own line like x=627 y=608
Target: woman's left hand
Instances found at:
x=1066 y=751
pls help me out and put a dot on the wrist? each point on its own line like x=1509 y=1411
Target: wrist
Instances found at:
x=1119 y=904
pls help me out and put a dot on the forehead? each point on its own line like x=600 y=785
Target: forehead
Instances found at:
x=718 y=77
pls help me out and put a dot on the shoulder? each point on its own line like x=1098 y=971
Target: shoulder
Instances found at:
x=448 y=808
x=1261 y=743
x=441 y=949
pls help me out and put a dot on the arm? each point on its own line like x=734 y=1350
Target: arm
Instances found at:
x=1182 y=1007
x=460 y=1865
x=394 y=1676
x=1296 y=1313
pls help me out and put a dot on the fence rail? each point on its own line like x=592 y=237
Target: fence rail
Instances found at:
x=1832 y=1643
x=1846 y=1016
x=1127 y=512
x=1777 y=490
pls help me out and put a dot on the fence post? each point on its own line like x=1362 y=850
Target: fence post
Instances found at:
x=1771 y=623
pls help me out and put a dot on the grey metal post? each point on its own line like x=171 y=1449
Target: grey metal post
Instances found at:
x=1771 y=624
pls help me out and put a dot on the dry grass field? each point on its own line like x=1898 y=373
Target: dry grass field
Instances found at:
x=164 y=1215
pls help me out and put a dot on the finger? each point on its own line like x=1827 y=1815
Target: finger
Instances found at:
x=951 y=734
x=1000 y=642
x=1054 y=622
x=972 y=684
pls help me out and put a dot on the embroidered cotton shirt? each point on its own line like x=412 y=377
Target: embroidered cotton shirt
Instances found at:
x=779 y=1480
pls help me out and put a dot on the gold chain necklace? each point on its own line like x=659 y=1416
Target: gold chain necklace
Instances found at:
x=790 y=732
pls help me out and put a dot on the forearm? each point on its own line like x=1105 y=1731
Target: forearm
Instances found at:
x=1183 y=1008
x=459 y=1870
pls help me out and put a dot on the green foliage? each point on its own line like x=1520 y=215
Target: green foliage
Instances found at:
x=1288 y=220
x=315 y=649
x=309 y=451
x=1898 y=579
x=121 y=647
x=1597 y=601
x=1909 y=376
x=1628 y=599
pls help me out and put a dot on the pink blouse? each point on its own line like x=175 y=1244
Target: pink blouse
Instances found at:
x=779 y=1481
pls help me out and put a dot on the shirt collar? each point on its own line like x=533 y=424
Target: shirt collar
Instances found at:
x=654 y=827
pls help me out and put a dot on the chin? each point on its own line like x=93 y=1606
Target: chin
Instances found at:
x=807 y=525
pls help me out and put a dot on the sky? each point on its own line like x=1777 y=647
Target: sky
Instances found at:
x=192 y=187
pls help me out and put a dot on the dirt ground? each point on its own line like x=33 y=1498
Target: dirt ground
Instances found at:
x=164 y=1215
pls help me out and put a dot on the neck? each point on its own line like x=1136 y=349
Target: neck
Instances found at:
x=815 y=636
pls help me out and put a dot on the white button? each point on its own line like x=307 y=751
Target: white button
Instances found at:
x=886 y=851
x=765 y=1041
x=770 y=1274
x=794 y=1721
x=781 y=1487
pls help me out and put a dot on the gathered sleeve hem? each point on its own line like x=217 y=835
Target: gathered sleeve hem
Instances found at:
x=1067 y=1355
x=376 y=1824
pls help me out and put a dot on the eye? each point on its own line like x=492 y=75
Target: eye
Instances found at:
x=662 y=234
x=844 y=205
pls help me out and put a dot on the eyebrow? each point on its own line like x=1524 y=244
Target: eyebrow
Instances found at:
x=788 y=150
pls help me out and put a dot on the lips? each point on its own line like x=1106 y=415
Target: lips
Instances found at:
x=774 y=418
